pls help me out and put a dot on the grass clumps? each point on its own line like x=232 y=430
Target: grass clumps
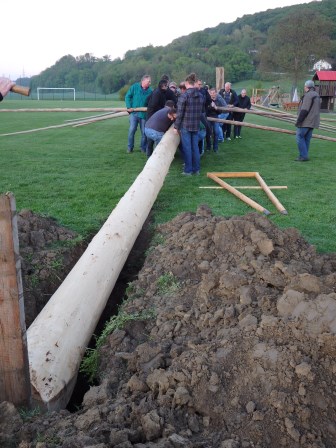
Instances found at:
x=167 y=284
x=90 y=361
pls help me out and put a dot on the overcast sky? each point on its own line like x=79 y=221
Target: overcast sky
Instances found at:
x=35 y=34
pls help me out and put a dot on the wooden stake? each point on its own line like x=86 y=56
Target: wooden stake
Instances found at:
x=14 y=369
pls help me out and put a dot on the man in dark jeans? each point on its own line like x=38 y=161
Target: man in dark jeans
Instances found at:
x=308 y=119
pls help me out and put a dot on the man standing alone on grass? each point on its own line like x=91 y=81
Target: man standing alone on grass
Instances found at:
x=308 y=119
x=136 y=96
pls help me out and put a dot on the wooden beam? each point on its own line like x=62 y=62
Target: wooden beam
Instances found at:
x=14 y=370
x=78 y=109
x=248 y=187
x=238 y=194
x=219 y=78
x=216 y=177
x=271 y=195
x=268 y=128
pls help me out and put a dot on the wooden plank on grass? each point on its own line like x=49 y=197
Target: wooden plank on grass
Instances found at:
x=14 y=369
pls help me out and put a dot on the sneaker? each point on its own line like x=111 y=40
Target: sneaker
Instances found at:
x=185 y=174
x=130 y=150
x=239 y=136
x=228 y=139
x=220 y=140
x=196 y=173
x=301 y=159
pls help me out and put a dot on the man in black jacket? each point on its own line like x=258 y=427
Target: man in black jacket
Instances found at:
x=244 y=102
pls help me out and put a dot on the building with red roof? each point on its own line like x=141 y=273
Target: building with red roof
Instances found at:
x=325 y=84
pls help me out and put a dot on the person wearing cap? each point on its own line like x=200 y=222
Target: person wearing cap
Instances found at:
x=5 y=86
x=308 y=119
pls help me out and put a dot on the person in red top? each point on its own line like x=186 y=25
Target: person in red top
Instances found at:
x=5 y=86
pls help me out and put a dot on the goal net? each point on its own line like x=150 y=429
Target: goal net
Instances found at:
x=56 y=93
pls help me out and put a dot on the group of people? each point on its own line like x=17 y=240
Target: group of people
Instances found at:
x=163 y=99
x=188 y=106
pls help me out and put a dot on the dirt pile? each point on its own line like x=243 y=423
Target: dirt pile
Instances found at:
x=240 y=354
x=48 y=252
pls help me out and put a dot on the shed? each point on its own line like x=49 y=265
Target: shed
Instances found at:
x=325 y=82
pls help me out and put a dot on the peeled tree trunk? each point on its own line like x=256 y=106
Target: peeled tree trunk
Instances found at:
x=59 y=336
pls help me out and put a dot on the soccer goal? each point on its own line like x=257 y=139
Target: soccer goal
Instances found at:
x=56 y=93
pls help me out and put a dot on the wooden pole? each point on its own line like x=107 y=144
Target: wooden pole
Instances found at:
x=83 y=109
x=58 y=337
x=271 y=195
x=268 y=128
x=248 y=187
x=219 y=78
x=94 y=120
x=238 y=194
x=14 y=371
x=64 y=125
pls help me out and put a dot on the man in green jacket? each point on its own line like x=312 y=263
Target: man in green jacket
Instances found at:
x=308 y=119
x=136 y=96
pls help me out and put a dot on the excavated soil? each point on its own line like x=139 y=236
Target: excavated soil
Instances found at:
x=240 y=353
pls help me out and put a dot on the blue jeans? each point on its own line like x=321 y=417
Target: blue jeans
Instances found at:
x=191 y=154
x=303 y=137
x=153 y=137
x=135 y=120
x=215 y=126
x=220 y=129
x=201 y=136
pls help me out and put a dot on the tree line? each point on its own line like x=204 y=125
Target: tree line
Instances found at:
x=288 y=39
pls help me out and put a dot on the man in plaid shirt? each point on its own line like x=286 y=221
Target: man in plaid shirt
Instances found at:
x=190 y=107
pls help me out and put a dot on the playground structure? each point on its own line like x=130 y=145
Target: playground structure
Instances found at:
x=269 y=97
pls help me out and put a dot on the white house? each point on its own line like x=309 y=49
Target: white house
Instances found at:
x=322 y=65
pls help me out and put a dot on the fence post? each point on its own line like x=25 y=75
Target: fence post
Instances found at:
x=14 y=368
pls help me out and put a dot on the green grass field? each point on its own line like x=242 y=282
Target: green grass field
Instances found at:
x=78 y=175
